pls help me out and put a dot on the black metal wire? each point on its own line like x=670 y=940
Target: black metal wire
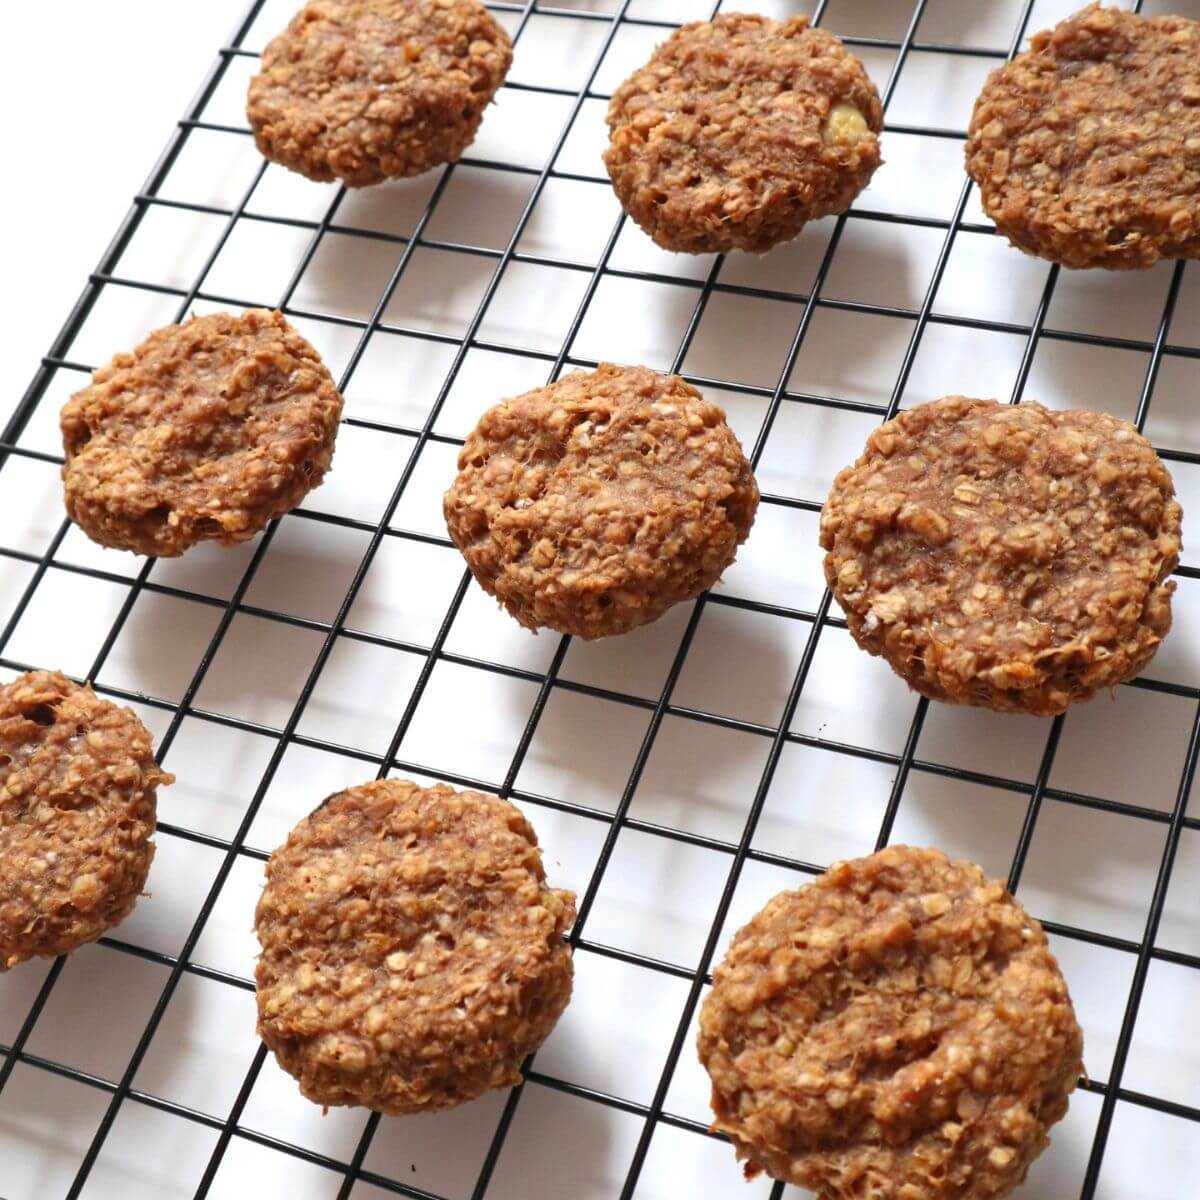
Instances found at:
x=1039 y=792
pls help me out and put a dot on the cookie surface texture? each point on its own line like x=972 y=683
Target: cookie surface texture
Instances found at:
x=207 y=431
x=412 y=953
x=739 y=131
x=78 y=799
x=1005 y=556
x=368 y=90
x=594 y=504
x=1086 y=148
x=897 y=1028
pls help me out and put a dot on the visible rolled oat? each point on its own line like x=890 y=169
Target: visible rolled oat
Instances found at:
x=207 y=431
x=593 y=505
x=1086 y=148
x=412 y=954
x=367 y=90
x=1005 y=556
x=78 y=794
x=741 y=130
x=896 y=1029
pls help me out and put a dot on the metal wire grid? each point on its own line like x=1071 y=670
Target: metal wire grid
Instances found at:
x=738 y=854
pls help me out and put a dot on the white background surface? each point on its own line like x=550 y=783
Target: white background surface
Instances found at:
x=1088 y=868
x=90 y=91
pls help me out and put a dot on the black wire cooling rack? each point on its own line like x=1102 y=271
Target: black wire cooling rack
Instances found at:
x=350 y=1174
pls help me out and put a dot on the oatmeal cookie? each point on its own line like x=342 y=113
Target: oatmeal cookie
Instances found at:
x=594 y=504
x=78 y=787
x=739 y=131
x=897 y=1028
x=208 y=430
x=367 y=90
x=1086 y=148
x=412 y=954
x=1010 y=557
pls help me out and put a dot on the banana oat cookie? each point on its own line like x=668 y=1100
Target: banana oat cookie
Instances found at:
x=1010 y=557
x=207 y=431
x=1086 y=148
x=593 y=505
x=367 y=90
x=897 y=1028
x=739 y=131
x=77 y=810
x=412 y=953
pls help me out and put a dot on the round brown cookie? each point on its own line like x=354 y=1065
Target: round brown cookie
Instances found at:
x=1010 y=557
x=77 y=810
x=594 y=504
x=208 y=430
x=412 y=954
x=367 y=90
x=739 y=131
x=897 y=1028
x=1086 y=148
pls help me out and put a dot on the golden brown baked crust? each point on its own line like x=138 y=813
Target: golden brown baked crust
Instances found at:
x=412 y=954
x=1086 y=148
x=367 y=90
x=78 y=787
x=208 y=430
x=898 y=1028
x=594 y=504
x=1010 y=557
x=739 y=131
